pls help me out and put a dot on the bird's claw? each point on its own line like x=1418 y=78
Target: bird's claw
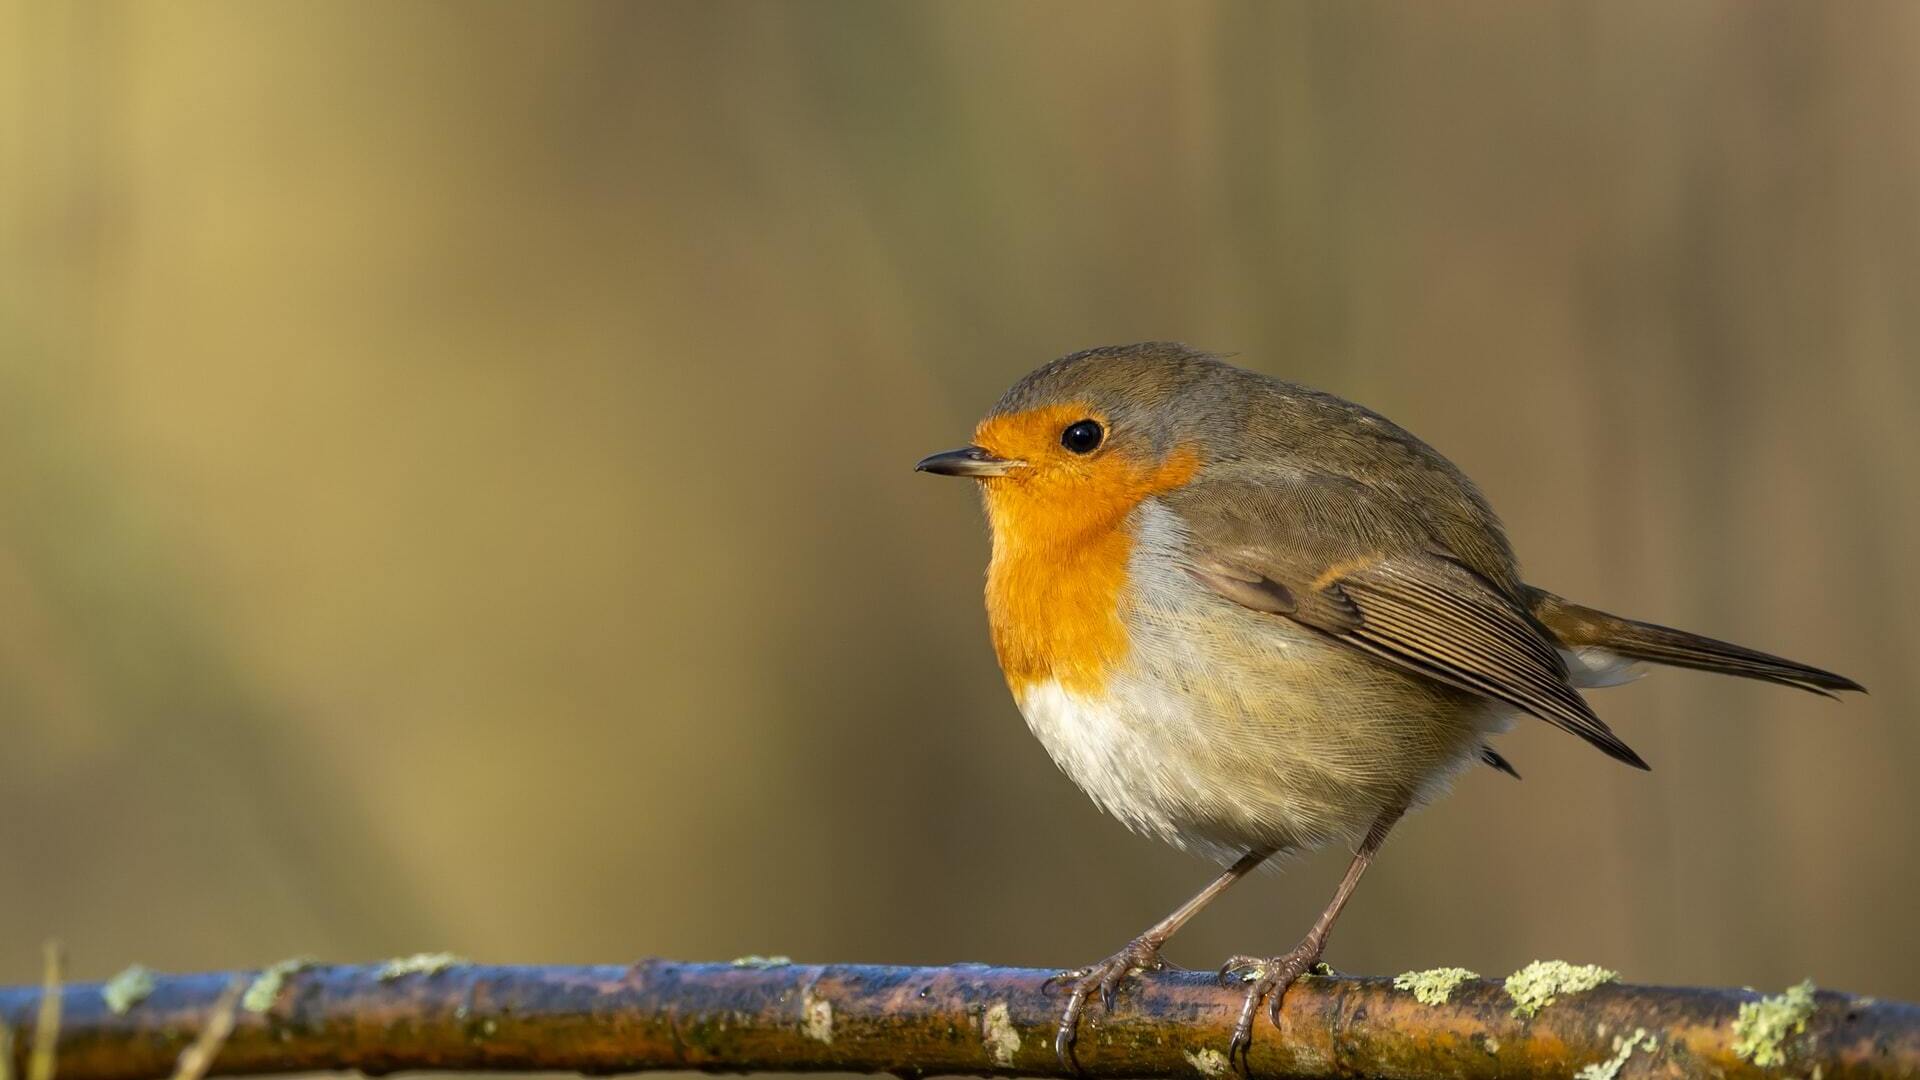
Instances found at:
x=1241 y=969
x=1107 y=977
x=1270 y=978
x=1063 y=1041
x=1047 y=984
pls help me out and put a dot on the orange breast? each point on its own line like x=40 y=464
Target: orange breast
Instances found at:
x=1058 y=579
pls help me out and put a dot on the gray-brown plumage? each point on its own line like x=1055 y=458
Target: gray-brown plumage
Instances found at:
x=1249 y=618
x=1577 y=627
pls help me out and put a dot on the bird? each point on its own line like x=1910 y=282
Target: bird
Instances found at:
x=1252 y=619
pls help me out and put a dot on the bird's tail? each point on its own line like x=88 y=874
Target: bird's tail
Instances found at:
x=1594 y=638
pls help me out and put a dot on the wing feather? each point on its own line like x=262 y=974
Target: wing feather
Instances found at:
x=1331 y=554
x=1463 y=633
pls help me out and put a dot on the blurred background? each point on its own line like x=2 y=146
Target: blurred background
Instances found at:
x=456 y=461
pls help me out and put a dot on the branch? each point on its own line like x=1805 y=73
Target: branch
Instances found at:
x=778 y=1017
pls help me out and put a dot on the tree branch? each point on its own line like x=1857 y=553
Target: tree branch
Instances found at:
x=965 y=1019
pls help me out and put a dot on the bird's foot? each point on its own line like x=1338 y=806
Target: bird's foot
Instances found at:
x=1270 y=977
x=1106 y=977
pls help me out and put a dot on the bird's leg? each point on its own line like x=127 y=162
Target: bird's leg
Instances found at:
x=1140 y=954
x=1272 y=975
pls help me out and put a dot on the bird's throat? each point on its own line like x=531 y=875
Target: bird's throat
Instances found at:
x=1057 y=585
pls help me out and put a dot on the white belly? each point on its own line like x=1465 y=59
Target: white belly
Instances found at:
x=1168 y=766
x=1118 y=756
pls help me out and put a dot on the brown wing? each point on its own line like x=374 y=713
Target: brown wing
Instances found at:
x=1326 y=553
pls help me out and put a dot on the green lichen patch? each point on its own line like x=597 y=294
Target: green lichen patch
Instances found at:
x=1623 y=1048
x=817 y=1014
x=266 y=986
x=420 y=964
x=1761 y=1031
x=762 y=961
x=1207 y=1062
x=127 y=989
x=1435 y=985
x=1542 y=982
x=998 y=1032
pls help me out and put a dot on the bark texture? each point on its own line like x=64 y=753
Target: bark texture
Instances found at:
x=777 y=1017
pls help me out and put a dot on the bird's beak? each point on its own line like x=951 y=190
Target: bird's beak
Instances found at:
x=967 y=461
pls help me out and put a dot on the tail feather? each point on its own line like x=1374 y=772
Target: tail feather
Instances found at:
x=1492 y=757
x=1580 y=627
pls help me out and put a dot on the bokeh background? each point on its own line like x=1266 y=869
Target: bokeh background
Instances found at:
x=455 y=461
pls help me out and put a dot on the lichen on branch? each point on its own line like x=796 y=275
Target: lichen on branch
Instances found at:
x=442 y=1014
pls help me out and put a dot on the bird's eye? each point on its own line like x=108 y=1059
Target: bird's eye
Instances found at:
x=1083 y=436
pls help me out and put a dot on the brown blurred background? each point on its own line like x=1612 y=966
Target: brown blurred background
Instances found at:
x=455 y=461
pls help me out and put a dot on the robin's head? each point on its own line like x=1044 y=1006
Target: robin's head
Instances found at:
x=1080 y=441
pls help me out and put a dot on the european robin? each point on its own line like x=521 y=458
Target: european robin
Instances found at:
x=1252 y=618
